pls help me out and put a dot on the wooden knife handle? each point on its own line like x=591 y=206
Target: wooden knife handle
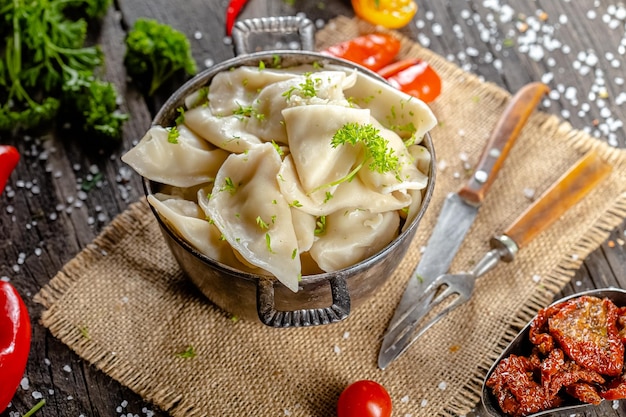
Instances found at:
x=556 y=200
x=501 y=140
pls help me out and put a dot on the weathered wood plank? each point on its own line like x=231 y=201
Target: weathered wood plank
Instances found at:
x=46 y=221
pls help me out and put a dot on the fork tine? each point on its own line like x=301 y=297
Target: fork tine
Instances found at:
x=454 y=304
x=430 y=289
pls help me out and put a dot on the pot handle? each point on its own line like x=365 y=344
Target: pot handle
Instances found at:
x=273 y=33
x=338 y=311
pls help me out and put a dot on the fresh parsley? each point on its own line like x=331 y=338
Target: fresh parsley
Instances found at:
x=173 y=134
x=155 y=52
x=46 y=69
x=380 y=157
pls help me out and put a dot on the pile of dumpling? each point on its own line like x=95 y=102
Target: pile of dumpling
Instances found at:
x=251 y=179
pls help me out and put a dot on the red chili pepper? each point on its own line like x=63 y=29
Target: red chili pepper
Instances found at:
x=9 y=157
x=415 y=77
x=15 y=334
x=232 y=11
x=372 y=51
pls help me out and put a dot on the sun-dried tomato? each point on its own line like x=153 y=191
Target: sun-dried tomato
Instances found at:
x=615 y=389
x=586 y=329
x=517 y=392
x=539 y=333
x=558 y=372
x=621 y=323
x=584 y=392
x=578 y=354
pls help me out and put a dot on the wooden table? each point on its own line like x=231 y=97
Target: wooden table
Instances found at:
x=573 y=45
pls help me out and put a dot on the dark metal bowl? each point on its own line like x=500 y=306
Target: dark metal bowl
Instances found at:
x=322 y=298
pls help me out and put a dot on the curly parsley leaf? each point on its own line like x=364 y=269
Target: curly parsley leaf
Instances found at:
x=155 y=52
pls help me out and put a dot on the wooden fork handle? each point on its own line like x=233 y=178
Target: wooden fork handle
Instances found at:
x=501 y=140
x=556 y=200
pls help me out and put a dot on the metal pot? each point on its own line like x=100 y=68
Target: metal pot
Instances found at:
x=322 y=298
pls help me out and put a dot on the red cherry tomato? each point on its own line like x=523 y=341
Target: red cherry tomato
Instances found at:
x=364 y=399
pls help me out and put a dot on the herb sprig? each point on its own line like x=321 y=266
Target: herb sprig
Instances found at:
x=378 y=156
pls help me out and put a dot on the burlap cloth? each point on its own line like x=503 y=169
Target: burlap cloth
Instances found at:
x=123 y=304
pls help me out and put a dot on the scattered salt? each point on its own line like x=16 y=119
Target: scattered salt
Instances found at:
x=67 y=368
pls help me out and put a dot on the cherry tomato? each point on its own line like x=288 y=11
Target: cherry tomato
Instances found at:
x=392 y=14
x=414 y=77
x=364 y=398
x=373 y=51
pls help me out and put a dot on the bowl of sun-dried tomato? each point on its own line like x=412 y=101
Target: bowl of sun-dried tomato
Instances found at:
x=570 y=356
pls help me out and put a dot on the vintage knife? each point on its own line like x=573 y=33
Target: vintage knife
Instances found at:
x=456 y=217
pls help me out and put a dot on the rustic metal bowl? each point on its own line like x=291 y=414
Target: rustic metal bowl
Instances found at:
x=321 y=298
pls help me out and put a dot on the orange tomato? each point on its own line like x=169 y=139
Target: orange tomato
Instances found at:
x=392 y=14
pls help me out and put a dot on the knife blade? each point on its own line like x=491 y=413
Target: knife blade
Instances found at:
x=455 y=218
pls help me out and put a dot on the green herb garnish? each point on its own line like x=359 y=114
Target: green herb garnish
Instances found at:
x=320 y=228
x=229 y=185
x=261 y=223
x=188 y=353
x=181 y=116
x=172 y=135
x=381 y=158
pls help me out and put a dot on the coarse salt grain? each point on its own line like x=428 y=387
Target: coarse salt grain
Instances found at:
x=536 y=278
x=442 y=385
x=25 y=384
x=67 y=368
x=424 y=403
x=404 y=399
x=37 y=395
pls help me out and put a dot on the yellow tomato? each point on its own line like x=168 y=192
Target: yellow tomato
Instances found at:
x=392 y=14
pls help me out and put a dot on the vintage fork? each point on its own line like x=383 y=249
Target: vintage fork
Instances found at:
x=568 y=190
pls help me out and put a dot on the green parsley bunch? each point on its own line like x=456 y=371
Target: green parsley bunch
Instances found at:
x=47 y=66
x=155 y=52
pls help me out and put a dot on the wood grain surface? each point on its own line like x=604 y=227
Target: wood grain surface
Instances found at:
x=574 y=46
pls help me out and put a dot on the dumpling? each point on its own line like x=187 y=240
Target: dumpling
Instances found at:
x=352 y=236
x=226 y=132
x=264 y=116
x=188 y=219
x=422 y=159
x=304 y=225
x=406 y=115
x=239 y=87
x=310 y=130
x=184 y=162
x=407 y=177
x=328 y=200
x=247 y=207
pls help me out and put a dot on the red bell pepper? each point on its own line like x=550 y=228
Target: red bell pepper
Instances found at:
x=15 y=335
x=232 y=11
x=9 y=157
x=415 y=77
x=372 y=51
